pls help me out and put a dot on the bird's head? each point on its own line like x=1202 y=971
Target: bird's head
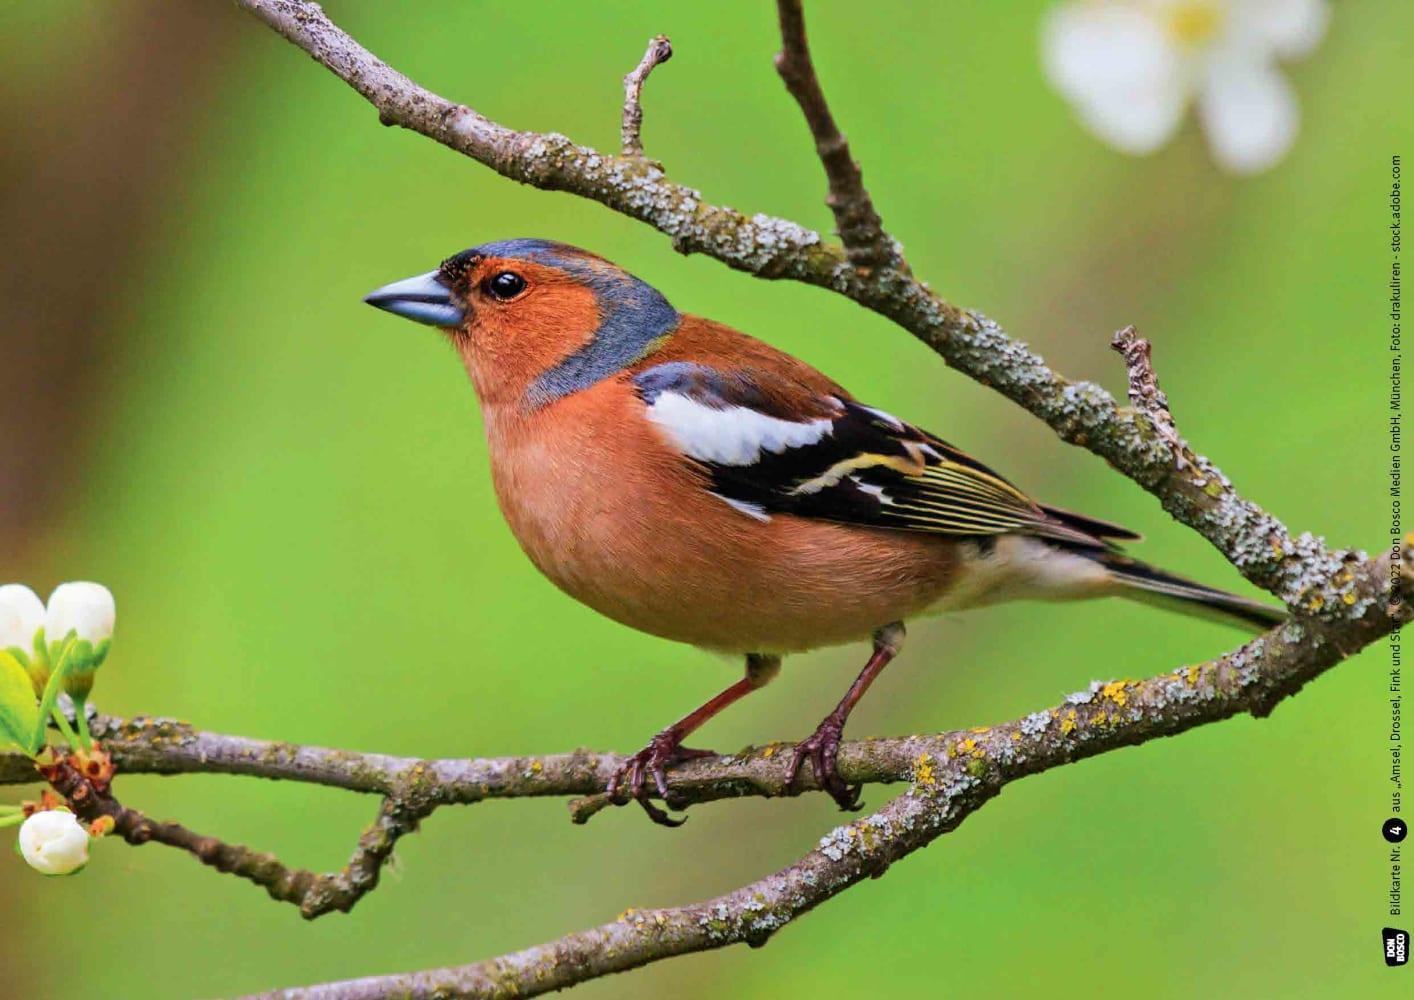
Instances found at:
x=534 y=320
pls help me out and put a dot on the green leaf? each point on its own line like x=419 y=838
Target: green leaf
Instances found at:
x=51 y=695
x=19 y=712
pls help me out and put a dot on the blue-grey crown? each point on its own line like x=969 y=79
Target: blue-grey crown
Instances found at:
x=633 y=315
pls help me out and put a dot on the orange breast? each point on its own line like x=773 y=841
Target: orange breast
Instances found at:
x=618 y=520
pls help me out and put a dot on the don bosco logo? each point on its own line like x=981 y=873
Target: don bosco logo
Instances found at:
x=1396 y=946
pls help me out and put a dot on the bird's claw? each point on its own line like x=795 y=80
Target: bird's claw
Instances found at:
x=662 y=752
x=822 y=747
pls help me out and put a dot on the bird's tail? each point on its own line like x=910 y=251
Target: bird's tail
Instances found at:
x=1142 y=582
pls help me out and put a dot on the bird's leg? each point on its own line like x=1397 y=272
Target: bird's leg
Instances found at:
x=824 y=744
x=666 y=748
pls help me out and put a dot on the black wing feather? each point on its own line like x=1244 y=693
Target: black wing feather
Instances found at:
x=870 y=469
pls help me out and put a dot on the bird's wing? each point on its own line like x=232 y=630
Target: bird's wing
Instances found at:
x=771 y=444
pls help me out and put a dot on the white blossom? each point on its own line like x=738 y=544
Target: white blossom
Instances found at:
x=54 y=842
x=85 y=609
x=1132 y=68
x=21 y=616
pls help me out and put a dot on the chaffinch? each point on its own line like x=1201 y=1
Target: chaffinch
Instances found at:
x=692 y=482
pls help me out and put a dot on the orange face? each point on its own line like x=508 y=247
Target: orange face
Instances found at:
x=533 y=320
x=522 y=319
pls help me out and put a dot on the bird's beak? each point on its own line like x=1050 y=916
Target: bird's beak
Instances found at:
x=423 y=299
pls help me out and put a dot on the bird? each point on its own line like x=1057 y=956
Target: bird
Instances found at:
x=697 y=484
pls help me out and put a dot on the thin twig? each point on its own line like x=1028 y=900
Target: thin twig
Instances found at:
x=660 y=50
x=314 y=894
x=856 y=220
x=1144 y=392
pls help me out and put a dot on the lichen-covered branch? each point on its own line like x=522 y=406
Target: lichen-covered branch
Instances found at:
x=858 y=223
x=1300 y=570
x=1342 y=600
x=1104 y=717
x=314 y=894
x=952 y=775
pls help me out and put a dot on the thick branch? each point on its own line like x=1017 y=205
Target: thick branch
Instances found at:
x=660 y=50
x=1344 y=598
x=1104 y=717
x=952 y=776
x=859 y=225
x=1299 y=570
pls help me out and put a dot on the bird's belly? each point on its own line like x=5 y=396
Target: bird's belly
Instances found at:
x=701 y=572
x=1015 y=567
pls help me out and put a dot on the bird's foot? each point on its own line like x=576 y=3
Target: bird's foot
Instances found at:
x=822 y=747
x=662 y=752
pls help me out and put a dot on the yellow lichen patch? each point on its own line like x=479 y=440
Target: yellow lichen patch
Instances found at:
x=627 y=914
x=1277 y=550
x=968 y=744
x=1114 y=691
x=1190 y=674
x=980 y=729
x=1015 y=736
x=1348 y=598
x=536 y=767
x=923 y=771
x=1317 y=603
x=770 y=751
x=1068 y=723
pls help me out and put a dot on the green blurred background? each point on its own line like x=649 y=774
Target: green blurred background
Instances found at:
x=288 y=491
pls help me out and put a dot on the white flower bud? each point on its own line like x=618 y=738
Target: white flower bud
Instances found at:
x=54 y=842
x=83 y=608
x=21 y=616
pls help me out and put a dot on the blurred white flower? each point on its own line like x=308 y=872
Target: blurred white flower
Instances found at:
x=1132 y=67
x=54 y=842
x=21 y=616
x=83 y=608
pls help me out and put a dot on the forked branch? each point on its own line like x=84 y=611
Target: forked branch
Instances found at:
x=1342 y=600
x=858 y=223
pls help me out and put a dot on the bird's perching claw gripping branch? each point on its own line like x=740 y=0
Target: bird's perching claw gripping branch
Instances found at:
x=1342 y=599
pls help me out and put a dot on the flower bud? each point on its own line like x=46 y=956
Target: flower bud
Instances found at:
x=21 y=622
x=54 y=842
x=85 y=613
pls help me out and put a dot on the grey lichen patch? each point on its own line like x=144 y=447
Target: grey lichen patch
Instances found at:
x=1246 y=662
x=1086 y=696
x=1036 y=723
x=956 y=783
x=837 y=843
x=1175 y=690
x=1082 y=408
x=1301 y=569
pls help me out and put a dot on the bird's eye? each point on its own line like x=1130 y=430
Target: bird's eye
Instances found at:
x=505 y=285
